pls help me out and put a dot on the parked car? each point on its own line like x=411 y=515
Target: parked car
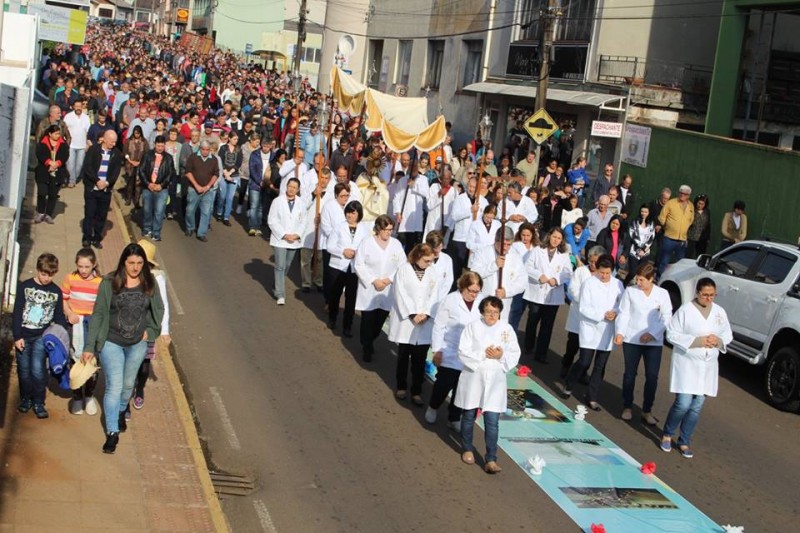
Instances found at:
x=758 y=285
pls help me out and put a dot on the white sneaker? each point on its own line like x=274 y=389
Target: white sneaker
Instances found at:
x=430 y=415
x=76 y=407
x=91 y=406
x=454 y=426
x=281 y=301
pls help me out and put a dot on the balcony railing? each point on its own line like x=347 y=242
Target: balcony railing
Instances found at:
x=691 y=79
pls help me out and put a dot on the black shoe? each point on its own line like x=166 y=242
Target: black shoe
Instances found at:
x=306 y=290
x=110 y=445
x=24 y=406
x=188 y=232
x=98 y=245
x=542 y=360
x=123 y=424
x=202 y=238
x=320 y=289
x=227 y=222
x=332 y=325
x=86 y=244
x=347 y=333
x=367 y=356
x=217 y=217
x=40 y=411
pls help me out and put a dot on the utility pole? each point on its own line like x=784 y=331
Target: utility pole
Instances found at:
x=547 y=19
x=301 y=35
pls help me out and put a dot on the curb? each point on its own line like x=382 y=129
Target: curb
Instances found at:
x=184 y=412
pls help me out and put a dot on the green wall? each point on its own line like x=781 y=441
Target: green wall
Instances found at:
x=767 y=179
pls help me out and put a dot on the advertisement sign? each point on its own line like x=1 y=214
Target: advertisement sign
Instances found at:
x=60 y=24
x=181 y=15
x=606 y=129
x=636 y=145
x=569 y=63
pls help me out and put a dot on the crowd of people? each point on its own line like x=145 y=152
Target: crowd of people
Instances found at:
x=452 y=247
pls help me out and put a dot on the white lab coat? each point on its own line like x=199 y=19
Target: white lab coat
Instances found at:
x=597 y=298
x=525 y=207
x=461 y=216
x=484 y=263
x=696 y=370
x=581 y=274
x=539 y=264
x=524 y=253
x=483 y=380
x=331 y=216
x=414 y=209
x=412 y=296
x=308 y=235
x=373 y=262
x=341 y=239
x=443 y=268
x=451 y=318
x=640 y=314
x=479 y=237
x=307 y=177
x=434 y=220
x=282 y=222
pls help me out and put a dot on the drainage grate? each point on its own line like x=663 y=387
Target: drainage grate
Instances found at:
x=232 y=484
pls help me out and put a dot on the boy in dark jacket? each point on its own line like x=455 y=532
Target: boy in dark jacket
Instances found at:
x=39 y=303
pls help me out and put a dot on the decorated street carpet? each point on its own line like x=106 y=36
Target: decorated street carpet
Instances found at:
x=592 y=479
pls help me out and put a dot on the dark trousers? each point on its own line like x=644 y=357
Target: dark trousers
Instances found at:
x=417 y=354
x=347 y=282
x=652 y=364
x=95 y=213
x=573 y=345
x=46 y=196
x=457 y=251
x=696 y=248
x=371 y=324
x=670 y=248
x=409 y=239
x=132 y=189
x=328 y=274
x=141 y=377
x=243 y=187
x=596 y=380
x=546 y=314
x=446 y=381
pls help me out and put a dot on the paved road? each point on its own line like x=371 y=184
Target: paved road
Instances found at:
x=277 y=396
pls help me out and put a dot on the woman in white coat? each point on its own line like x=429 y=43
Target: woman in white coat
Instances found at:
x=482 y=231
x=699 y=331
x=457 y=310
x=414 y=294
x=487 y=261
x=442 y=267
x=377 y=260
x=343 y=242
x=549 y=269
x=488 y=349
x=599 y=306
x=525 y=241
x=644 y=312
x=287 y=222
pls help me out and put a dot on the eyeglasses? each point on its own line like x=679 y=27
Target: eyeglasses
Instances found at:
x=474 y=292
x=491 y=313
x=344 y=195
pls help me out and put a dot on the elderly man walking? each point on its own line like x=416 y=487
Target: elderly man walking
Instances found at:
x=100 y=171
x=202 y=172
x=675 y=218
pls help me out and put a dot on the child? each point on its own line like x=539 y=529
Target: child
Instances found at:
x=80 y=292
x=38 y=304
x=144 y=370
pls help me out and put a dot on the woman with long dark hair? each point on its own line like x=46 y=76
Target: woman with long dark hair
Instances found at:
x=135 y=149
x=127 y=313
x=52 y=154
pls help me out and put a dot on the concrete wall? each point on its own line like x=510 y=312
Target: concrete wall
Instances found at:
x=352 y=20
x=726 y=170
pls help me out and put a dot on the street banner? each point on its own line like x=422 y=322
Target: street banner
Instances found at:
x=60 y=24
x=601 y=128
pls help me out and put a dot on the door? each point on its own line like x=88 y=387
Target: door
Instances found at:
x=765 y=294
x=730 y=272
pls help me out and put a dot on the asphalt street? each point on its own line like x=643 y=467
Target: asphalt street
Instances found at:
x=278 y=397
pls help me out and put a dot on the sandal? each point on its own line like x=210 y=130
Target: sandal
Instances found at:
x=400 y=395
x=417 y=400
x=468 y=457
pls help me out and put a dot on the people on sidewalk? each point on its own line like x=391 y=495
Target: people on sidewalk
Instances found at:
x=101 y=169
x=39 y=303
x=52 y=155
x=78 y=124
x=128 y=312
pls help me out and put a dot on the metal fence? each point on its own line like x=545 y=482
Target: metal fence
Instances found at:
x=629 y=70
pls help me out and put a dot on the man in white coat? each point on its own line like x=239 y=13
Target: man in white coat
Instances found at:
x=287 y=223
x=518 y=208
x=441 y=196
x=409 y=208
x=313 y=238
x=296 y=168
x=488 y=261
x=464 y=212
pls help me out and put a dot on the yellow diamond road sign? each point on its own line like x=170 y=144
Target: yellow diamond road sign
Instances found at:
x=540 y=126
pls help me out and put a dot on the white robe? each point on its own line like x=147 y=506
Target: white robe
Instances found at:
x=461 y=216
x=283 y=222
x=341 y=239
x=484 y=263
x=696 y=370
x=414 y=209
x=640 y=314
x=307 y=177
x=434 y=220
x=451 y=318
x=597 y=298
x=443 y=267
x=479 y=237
x=412 y=296
x=581 y=274
x=373 y=262
x=331 y=216
x=308 y=235
x=525 y=207
x=560 y=268
x=483 y=380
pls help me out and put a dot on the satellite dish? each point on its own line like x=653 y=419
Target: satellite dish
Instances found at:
x=346 y=46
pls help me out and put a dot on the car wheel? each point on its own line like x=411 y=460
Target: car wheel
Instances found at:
x=783 y=379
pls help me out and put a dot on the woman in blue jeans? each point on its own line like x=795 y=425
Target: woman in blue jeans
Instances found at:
x=699 y=332
x=128 y=311
x=231 y=157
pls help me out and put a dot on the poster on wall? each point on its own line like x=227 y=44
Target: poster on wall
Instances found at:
x=636 y=145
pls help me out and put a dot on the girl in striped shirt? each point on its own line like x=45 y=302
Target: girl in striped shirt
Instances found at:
x=80 y=292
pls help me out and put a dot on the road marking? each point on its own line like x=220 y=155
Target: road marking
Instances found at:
x=233 y=440
x=264 y=516
x=176 y=303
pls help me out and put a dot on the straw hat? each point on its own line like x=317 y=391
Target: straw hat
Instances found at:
x=149 y=251
x=81 y=372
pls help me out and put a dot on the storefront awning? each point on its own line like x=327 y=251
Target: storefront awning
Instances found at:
x=608 y=102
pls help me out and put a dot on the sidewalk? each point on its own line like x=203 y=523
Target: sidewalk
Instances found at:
x=53 y=474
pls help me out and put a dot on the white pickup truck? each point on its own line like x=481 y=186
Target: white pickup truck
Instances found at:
x=758 y=285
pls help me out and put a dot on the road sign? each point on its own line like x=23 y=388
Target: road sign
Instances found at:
x=248 y=48
x=540 y=126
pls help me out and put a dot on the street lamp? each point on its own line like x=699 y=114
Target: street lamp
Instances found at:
x=485 y=127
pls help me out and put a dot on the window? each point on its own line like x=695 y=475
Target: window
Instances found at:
x=736 y=262
x=105 y=13
x=774 y=268
x=435 y=59
x=575 y=24
x=375 y=59
x=311 y=55
x=403 y=68
x=473 y=63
